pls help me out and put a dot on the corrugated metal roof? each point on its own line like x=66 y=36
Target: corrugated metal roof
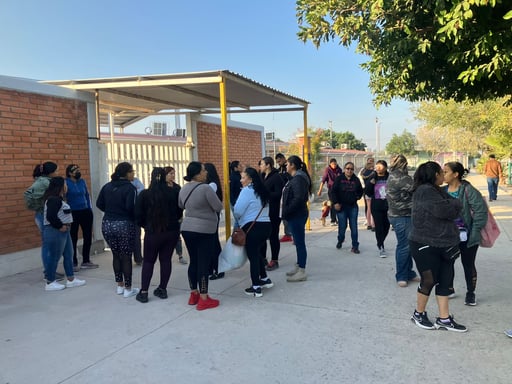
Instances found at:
x=131 y=98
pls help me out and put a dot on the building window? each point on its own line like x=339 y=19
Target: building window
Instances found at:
x=159 y=129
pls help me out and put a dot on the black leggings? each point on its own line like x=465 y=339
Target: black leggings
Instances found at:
x=255 y=240
x=275 y=244
x=82 y=218
x=161 y=246
x=380 y=218
x=200 y=248
x=433 y=268
x=467 y=257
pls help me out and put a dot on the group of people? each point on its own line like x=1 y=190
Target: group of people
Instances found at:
x=436 y=215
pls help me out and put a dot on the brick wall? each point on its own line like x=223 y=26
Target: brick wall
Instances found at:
x=244 y=145
x=35 y=128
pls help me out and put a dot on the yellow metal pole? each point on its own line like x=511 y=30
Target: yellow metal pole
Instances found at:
x=306 y=155
x=225 y=160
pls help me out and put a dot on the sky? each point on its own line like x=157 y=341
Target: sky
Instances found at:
x=63 y=40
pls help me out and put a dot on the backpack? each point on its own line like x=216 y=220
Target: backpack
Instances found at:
x=30 y=201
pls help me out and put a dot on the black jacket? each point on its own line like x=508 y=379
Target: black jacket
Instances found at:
x=235 y=186
x=379 y=203
x=168 y=208
x=274 y=184
x=295 y=196
x=346 y=192
x=117 y=200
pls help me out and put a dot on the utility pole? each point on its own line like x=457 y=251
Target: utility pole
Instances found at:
x=330 y=129
x=377 y=134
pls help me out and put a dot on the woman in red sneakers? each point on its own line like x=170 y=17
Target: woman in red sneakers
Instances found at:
x=199 y=229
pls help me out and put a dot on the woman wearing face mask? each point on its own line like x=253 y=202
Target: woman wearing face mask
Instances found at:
x=78 y=198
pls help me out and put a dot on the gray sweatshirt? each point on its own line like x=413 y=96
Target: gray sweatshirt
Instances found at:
x=201 y=208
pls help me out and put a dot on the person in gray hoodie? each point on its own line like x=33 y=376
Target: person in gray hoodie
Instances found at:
x=199 y=229
x=294 y=209
x=399 y=197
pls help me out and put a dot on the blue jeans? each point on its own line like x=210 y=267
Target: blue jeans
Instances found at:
x=402 y=226
x=39 y=219
x=297 y=226
x=348 y=213
x=58 y=244
x=492 y=187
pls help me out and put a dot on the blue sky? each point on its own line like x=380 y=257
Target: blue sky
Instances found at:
x=63 y=39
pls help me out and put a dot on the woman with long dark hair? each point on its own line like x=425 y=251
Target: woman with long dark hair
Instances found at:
x=78 y=198
x=434 y=242
x=274 y=184
x=295 y=210
x=235 y=185
x=157 y=211
x=117 y=200
x=198 y=229
x=251 y=211
x=472 y=219
x=213 y=180
x=57 y=221
x=170 y=177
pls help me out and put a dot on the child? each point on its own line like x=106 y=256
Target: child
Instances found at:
x=325 y=211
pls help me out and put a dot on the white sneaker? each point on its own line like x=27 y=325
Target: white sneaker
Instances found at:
x=54 y=286
x=120 y=290
x=382 y=252
x=131 y=292
x=75 y=283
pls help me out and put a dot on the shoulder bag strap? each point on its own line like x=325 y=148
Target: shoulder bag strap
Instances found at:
x=193 y=189
x=252 y=224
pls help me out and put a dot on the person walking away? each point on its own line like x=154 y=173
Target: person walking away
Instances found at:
x=434 y=241
x=117 y=200
x=198 y=229
x=78 y=198
x=294 y=209
x=399 y=196
x=332 y=171
x=170 y=177
x=137 y=250
x=346 y=191
x=34 y=201
x=274 y=184
x=473 y=218
x=493 y=172
x=213 y=180
x=252 y=212
x=57 y=221
x=157 y=211
x=285 y=176
x=376 y=189
x=364 y=174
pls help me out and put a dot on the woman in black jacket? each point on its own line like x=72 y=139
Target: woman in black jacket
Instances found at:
x=117 y=200
x=434 y=244
x=274 y=184
x=295 y=210
x=158 y=213
x=346 y=191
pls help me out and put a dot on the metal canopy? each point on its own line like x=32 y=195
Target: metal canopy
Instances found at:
x=131 y=98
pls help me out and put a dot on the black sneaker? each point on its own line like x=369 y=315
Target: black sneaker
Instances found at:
x=273 y=264
x=142 y=297
x=470 y=299
x=160 y=292
x=266 y=283
x=450 y=326
x=256 y=292
x=422 y=320
x=216 y=276
x=338 y=245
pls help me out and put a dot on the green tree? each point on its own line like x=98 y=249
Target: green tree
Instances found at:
x=420 y=49
x=404 y=144
x=347 y=138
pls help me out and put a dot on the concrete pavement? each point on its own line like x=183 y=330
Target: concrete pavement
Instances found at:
x=349 y=323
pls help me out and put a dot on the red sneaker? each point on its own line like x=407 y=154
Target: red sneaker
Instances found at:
x=207 y=304
x=194 y=298
x=286 y=239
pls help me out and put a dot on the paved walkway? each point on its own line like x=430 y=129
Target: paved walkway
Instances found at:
x=349 y=323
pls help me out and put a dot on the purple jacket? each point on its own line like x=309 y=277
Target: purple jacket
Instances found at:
x=330 y=175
